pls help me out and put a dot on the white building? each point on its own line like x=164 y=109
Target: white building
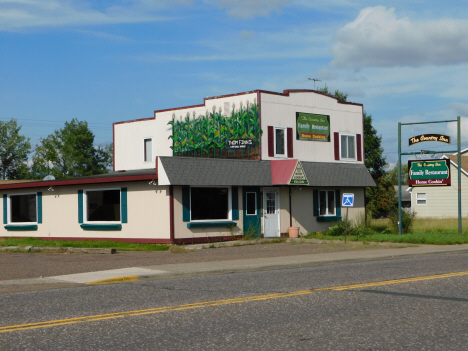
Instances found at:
x=253 y=163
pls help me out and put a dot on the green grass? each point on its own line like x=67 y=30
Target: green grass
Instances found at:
x=83 y=244
x=435 y=231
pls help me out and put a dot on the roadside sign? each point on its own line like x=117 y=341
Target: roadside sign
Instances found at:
x=348 y=200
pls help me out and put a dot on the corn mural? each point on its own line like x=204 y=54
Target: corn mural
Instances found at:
x=208 y=136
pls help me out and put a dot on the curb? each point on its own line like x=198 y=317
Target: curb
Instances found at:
x=57 y=249
x=121 y=279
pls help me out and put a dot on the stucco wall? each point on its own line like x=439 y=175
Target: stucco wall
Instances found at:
x=280 y=111
x=302 y=209
x=129 y=136
x=148 y=213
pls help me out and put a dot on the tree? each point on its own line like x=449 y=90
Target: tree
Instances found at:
x=373 y=151
x=69 y=152
x=14 y=151
x=343 y=97
x=392 y=175
x=381 y=199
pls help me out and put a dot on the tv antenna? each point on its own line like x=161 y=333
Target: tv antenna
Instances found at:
x=315 y=80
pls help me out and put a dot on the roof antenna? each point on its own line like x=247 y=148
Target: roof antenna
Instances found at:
x=315 y=80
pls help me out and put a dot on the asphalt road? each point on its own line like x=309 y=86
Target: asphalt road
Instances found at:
x=291 y=309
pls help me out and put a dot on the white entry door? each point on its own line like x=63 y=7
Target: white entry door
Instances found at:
x=271 y=215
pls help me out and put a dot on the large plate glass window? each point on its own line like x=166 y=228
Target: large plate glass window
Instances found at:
x=348 y=147
x=103 y=205
x=280 y=138
x=209 y=203
x=23 y=208
x=327 y=202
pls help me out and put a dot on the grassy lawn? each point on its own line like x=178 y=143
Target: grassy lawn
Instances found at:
x=86 y=244
x=425 y=231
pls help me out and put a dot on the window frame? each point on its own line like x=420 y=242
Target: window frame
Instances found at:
x=354 y=145
x=285 y=142
x=229 y=188
x=246 y=201
x=421 y=199
x=327 y=191
x=9 y=221
x=145 y=158
x=85 y=206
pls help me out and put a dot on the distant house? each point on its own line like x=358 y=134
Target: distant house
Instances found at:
x=442 y=201
x=405 y=195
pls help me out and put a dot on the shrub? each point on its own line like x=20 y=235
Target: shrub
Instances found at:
x=407 y=219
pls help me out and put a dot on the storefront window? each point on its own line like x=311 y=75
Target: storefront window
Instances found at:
x=209 y=203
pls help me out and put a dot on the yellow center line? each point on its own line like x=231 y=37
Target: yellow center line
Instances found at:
x=108 y=316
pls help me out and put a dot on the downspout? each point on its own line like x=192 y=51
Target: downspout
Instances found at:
x=290 y=208
x=260 y=123
x=171 y=214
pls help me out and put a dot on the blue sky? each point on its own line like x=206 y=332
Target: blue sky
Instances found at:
x=108 y=61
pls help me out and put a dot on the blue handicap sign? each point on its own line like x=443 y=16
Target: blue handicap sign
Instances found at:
x=348 y=200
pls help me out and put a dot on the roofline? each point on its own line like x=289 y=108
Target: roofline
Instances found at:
x=286 y=92
x=79 y=181
x=455 y=164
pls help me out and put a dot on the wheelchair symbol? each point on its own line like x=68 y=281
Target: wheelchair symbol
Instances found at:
x=348 y=200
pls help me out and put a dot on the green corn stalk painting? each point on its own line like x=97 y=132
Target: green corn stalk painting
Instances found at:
x=207 y=136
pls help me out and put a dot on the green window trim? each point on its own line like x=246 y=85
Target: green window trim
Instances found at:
x=21 y=227
x=39 y=207
x=87 y=226
x=123 y=205
x=328 y=218
x=5 y=209
x=80 y=206
x=235 y=203
x=211 y=224
x=186 y=203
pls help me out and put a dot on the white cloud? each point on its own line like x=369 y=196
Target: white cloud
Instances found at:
x=21 y=14
x=246 y=9
x=378 y=38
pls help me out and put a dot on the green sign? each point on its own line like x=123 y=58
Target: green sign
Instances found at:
x=429 y=173
x=299 y=177
x=312 y=127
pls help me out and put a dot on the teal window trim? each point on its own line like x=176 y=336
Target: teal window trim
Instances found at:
x=328 y=218
x=5 y=209
x=21 y=227
x=228 y=224
x=80 y=206
x=39 y=207
x=123 y=205
x=186 y=203
x=88 y=226
x=235 y=203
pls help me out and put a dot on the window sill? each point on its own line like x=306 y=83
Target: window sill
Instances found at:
x=328 y=218
x=211 y=225
x=88 y=226
x=20 y=227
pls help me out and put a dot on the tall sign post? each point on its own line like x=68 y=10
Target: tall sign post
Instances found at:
x=438 y=174
x=348 y=201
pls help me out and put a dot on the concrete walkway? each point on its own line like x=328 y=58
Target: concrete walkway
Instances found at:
x=165 y=271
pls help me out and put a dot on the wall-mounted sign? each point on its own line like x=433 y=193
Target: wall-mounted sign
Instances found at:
x=237 y=144
x=299 y=177
x=312 y=127
x=429 y=137
x=429 y=173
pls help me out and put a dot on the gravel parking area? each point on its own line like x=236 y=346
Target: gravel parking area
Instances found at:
x=35 y=265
